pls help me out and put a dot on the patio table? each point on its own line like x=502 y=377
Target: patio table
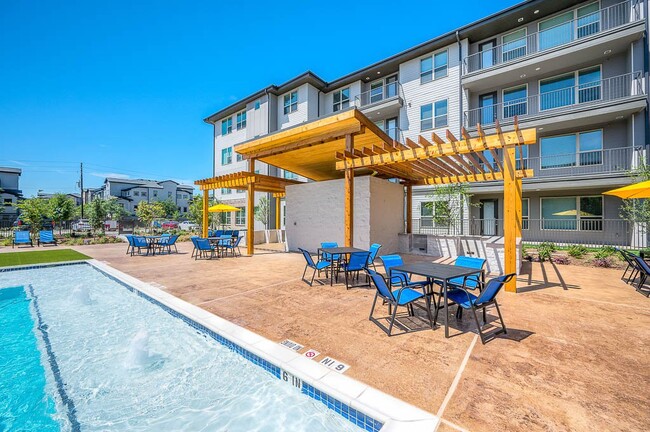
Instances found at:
x=440 y=272
x=341 y=250
x=151 y=240
x=220 y=241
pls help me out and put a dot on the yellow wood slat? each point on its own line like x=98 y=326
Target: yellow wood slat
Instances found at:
x=471 y=178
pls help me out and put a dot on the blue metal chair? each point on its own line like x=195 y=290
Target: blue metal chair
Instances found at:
x=472 y=281
x=168 y=242
x=318 y=267
x=644 y=272
x=404 y=296
x=335 y=259
x=358 y=262
x=129 y=239
x=374 y=249
x=46 y=237
x=203 y=246
x=193 y=239
x=398 y=278
x=487 y=297
x=232 y=246
x=218 y=233
x=22 y=237
x=140 y=243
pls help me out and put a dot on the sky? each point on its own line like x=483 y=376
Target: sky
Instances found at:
x=124 y=86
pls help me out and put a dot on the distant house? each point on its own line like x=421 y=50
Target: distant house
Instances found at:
x=131 y=192
x=75 y=196
x=10 y=192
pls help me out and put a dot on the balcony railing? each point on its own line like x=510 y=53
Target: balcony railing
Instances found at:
x=557 y=101
x=562 y=34
x=392 y=90
x=592 y=162
x=591 y=232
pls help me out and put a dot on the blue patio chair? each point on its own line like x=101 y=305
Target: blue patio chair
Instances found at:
x=398 y=278
x=218 y=233
x=129 y=239
x=632 y=266
x=334 y=259
x=203 y=247
x=22 y=238
x=232 y=246
x=318 y=267
x=472 y=281
x=194 y=249
x=358 y=262
x=487 y=297
x=644 y=272
x=234 y=233
x=167 y=243
x=374 y=249
x=404 y=296
x=140 y=243
x=46 y=237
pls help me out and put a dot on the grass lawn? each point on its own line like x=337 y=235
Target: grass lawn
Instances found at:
x=38 y=257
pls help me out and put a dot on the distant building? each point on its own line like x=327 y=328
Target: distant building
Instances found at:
x=10 y=192
x=75 y=196
x=131 y=192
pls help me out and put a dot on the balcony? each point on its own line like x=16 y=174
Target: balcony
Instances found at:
x=609 y=30
x=385 y=100
x=569 y=100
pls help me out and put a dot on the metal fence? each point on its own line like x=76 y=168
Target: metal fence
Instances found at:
x=561 y=34
x=560 y=100
x=590 y=232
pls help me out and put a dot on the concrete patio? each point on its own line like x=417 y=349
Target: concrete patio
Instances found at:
x=575 y=356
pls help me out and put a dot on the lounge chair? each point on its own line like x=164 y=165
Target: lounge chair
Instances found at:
x=22 y=238
x=398 y=278
x=487 y=297
x=318 y=267
x=140 y=243
x=404 y=296
x=203 y=247
x=374 y=249
x=358 y=262
x=46 y=237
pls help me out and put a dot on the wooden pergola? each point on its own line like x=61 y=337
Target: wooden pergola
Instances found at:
x=251 y=182
x=348 y=143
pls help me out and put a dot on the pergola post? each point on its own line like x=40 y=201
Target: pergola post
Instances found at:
x=250 y=211
x=511 y=215
x=205 y=219
x=349 y=195
x=409 y=209
x=278 y=209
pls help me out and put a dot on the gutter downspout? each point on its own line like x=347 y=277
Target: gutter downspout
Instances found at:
x=646 y=62
x=460 y=105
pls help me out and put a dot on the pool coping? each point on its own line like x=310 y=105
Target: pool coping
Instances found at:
x=395 y=414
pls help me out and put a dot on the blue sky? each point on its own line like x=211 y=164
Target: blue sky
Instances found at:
x=123 y=86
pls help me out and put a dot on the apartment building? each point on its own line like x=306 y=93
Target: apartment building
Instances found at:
x=577 y=71
x=10 y=193
x=131 y=192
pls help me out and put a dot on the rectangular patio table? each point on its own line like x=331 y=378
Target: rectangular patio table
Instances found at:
x=440 y=272
x=342 y=250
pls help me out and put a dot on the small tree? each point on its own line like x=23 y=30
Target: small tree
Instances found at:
x=148 y=211
x=61 y=208
x=97 y=214
x=448 y=203
x=195 y=212
x=170 y=209
x=114 y=210
x=263 y=211
x=33 y=211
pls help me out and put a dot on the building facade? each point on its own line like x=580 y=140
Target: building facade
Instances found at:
x=577 y=71
x=10 y=193
x=131 y=192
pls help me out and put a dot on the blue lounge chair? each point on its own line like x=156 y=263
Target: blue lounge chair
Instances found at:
x=318 y=267
x=193 y=239
x=46 y=237
x=232 y=246
x=129 y=239
x=404 y=296
x=203 y=247
x=487 y=297
x=398 y=278
x=358 y=262
x=22 y=238
x=374 y=249
x=140 y=243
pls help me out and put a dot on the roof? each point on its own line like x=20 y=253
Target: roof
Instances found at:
x=477 y=30
x=241 y=180
x=11 y=170
x=186 y=187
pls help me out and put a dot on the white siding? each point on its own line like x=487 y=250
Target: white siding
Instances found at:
x=296 y=117
x=327 y=99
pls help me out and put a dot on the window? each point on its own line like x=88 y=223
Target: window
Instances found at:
x=239 y=157
x=226 y=191
x=8 y=201
x=341 y=99
x=524 y=213
x=240 y=216
x=226 y=218
x=143 y=193
x=589 y=85
x=588 y=20
x=521 y=161
x=573 y=213
x=426 y=70
x=226 y=126
x=440 y=65
x=441 y=113
x=426 y=214
x=426 y=117
x=562 y=91
x=581 y=149
x=169 y=194
x=136 y=193
x=241 y=120
x=289 y=175
x=257 y=105
x=291 y=102
x=515 y=102
x=155 y=193
x=556 y=31
x=376 y=91
x=226 y=156
x=514 y=45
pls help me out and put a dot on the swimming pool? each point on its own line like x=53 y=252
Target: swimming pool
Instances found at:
x=96 y=353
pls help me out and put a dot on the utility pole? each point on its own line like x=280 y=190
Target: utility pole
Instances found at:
x=81 y=186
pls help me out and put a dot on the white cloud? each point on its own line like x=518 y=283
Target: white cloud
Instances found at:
x=109 y=174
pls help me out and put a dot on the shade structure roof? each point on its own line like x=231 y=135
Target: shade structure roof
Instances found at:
x=241 y=180
x=636 y=190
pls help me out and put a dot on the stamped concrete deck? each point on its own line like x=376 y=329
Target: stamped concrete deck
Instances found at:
x=575 y=357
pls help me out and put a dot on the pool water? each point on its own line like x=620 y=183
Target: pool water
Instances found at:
x=85 y=353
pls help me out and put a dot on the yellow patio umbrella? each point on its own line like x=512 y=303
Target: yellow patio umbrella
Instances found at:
x=222 y=208
x=637 y=190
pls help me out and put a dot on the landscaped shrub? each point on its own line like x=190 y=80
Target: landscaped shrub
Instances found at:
x=561 y=260
x=604 y=252
x=577 y=251
x=603 y=262
x=544 y=250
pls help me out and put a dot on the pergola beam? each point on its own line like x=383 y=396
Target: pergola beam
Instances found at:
x=497 y=176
